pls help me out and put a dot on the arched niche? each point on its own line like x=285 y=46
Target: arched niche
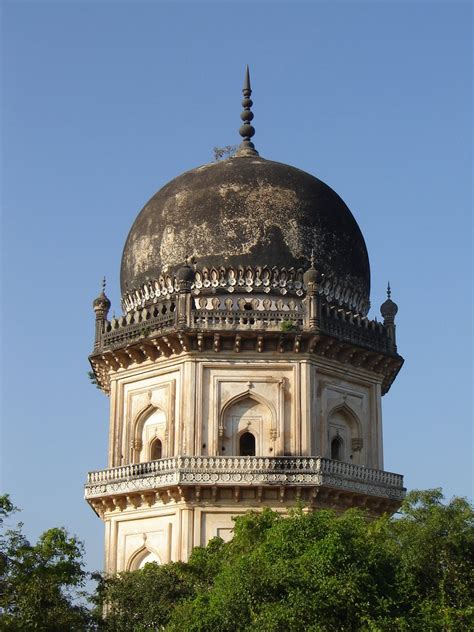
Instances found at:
x=141 y=557
x=150 y=426
x=247 y=413
x=344 y=435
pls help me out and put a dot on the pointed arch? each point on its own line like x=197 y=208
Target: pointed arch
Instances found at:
x=140 y=445
x=138 y=558
x=142 y=416
x=156 y=449
x=247 y=412
x=241 y=397
x=348 y=412
x=344 y=434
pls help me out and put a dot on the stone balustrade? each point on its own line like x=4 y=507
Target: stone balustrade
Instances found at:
x=359 y=331
x=246 y=319
x=162 y=318
x=244 y=471
x=138 y=324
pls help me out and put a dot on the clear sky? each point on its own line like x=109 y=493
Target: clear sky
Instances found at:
x=104 y=102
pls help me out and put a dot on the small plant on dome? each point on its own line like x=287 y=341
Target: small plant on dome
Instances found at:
x=221 y=153
x=145 y=332
x=287 y=326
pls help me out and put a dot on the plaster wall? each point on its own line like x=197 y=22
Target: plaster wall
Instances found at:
x=200 y=405
x=166 y=533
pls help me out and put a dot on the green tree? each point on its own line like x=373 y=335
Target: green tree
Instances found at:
x=40 y=583
x=146 y=599
x=434 y=547
x=313 y=571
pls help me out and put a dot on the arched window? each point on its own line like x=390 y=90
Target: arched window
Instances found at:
x=144 y=556
x=247 y=444
x=156 y=450
x=336 y=449
x=150 y=424
x=242 y=414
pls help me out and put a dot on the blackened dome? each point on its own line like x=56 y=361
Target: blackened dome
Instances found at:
x=248 y=213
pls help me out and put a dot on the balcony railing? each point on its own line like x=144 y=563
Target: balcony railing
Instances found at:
x=161 y=319
x=245 y=319
x=243 y=471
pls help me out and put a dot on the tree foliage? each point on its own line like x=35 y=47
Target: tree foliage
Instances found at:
x=313 y=571
x=40 y=583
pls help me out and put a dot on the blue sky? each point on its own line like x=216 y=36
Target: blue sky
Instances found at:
x=104 y=102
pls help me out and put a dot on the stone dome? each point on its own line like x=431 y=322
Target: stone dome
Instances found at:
x=248 y=223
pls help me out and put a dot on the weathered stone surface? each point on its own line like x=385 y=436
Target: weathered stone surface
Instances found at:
x=247 y=211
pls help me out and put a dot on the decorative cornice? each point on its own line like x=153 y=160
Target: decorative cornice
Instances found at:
x=296 y=344
x=245 y=279
x=151 y=334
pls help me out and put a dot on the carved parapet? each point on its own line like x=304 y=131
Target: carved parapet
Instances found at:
x=230 y=279
x=220 y=315
x=244 y=279
x=265 y=326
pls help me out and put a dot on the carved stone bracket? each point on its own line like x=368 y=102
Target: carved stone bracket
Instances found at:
x=357 y=444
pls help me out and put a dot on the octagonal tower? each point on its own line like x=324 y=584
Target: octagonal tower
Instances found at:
x=244 y=371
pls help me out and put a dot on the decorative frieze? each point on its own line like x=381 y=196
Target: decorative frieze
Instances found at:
x=244 y=279
x=369 y=351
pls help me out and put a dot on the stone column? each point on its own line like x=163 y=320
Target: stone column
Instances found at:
x=184 y=278
x=312 y=304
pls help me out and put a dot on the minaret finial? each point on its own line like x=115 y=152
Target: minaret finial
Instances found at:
x=247 y=81
x=104 y=283
x=389 y=291
x=312 y=258
x=247 y=148
x=101 y=304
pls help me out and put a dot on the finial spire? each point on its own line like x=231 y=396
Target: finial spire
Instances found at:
x=104 y=283
x=389 y=291
x=247 y=81
x=312 y=258
x=247 y=148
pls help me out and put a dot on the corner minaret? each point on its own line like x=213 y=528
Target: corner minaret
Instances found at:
x=389 y=310
x=101 y=307
x=247 y=378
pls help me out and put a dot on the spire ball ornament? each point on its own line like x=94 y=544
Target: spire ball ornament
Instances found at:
x=247 y=131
